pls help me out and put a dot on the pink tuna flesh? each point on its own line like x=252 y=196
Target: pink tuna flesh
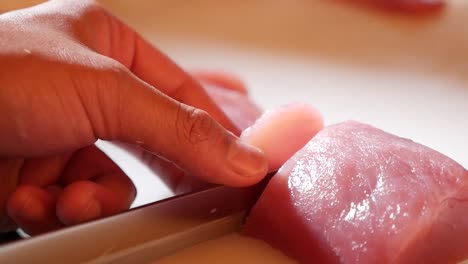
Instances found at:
x=356 y=194
x=283 y=131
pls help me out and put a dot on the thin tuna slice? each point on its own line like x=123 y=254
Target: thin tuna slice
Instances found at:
x=281 y=132
x=356 y=194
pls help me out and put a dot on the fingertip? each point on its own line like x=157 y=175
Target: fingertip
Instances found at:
x=18 y=200
x=83 y=201
x=77 y=203
x=248 y=163
x=33 y=209
x=28 y=202
x=227 y=160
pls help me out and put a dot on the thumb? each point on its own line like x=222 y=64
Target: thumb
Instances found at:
x=187 y=136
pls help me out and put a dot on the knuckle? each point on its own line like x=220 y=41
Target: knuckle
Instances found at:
x=115 y=68
x=92 y=25
x=84 y=11
x=113 y=71
x=196 y=126
x=90 y=8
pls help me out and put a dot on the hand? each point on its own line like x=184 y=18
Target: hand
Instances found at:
x=71 y=73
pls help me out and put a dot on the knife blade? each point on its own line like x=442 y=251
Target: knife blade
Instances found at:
x=142 y=234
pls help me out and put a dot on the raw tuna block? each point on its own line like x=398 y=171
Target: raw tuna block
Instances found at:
x=356 y=194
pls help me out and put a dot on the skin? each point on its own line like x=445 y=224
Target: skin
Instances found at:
x=71 y=73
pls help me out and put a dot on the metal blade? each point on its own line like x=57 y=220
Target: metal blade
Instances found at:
x=163 y=227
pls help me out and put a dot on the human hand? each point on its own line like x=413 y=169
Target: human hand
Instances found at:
x=71 y=73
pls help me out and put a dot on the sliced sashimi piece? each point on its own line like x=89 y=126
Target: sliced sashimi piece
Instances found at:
x=356 y=194
x=283 y=131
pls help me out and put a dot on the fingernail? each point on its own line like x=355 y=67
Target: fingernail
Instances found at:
x=247 y=160
x=91 y=211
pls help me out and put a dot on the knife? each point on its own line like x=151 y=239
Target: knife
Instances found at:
x=143 y=234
